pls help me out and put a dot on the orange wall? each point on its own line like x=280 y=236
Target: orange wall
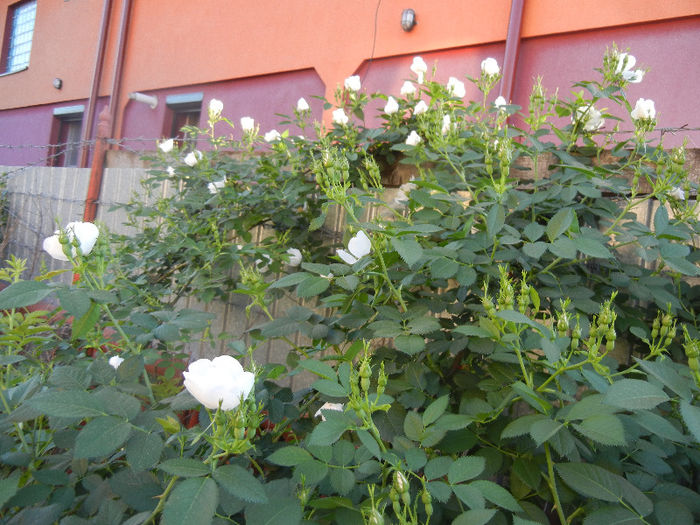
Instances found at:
x=182 y=42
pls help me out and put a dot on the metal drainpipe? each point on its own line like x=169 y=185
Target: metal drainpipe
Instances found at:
x=510 y=57
x=108 y=120
x=96 y=76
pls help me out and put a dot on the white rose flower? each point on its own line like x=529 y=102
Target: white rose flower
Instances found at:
x=263 y=264
x=295 y=257
x=391 y=106
x=455 y=87
x=170 y=170
x=408 y=88
x=353 y=83
x=215 y=108
x=358 y=247
x=272 y=135
x=500 y=102
x=215 y=186
x=420 y=108
x=413 y=138
x=85 y=233
x=339 y=117
x=590 y=117
x=166 y=146
x=489 y=67
x=115 y=361
x=419 y=67
x=302 y=105
x=339 y=407
x=221 y=380
x=192 y=158
x=446 y=124
x=643 y=109
x=625 y=63
x=247 y=124
x=677 y=193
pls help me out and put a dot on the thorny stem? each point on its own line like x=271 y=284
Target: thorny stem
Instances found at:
x=161 y=501
x=552 y=482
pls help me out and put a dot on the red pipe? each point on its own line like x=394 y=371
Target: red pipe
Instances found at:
x=105 y=126
x=510 y=57
x=96 y=76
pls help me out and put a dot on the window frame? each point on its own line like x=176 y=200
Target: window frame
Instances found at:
x=10 y=35
x=179 y=106
x=63 y=118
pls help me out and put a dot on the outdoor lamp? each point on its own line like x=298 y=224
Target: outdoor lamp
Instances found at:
x=408 y=19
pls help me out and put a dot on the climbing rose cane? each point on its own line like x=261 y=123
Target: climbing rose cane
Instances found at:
x=221 y=380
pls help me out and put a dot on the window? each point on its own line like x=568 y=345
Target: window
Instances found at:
x=19 y=30
x=68 y=124
x=183 y=110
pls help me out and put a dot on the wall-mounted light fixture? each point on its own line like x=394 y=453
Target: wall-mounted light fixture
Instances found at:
x=151 y=100
x=408 y=19
x=57 y=83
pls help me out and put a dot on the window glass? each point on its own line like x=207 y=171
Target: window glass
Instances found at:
x=21 y=27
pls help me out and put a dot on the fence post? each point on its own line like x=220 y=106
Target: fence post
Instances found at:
x=97 y=169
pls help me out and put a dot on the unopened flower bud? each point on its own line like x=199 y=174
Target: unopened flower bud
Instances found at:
x=400 y=482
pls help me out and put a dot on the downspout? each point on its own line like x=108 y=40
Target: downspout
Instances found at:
x=107 y=121
x=96 y=76
x=510 y=57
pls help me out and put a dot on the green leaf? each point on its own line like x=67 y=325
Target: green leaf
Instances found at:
x=533 y=231
x=277 y=511
x=664 y=371
x=74 y=301
x=23 y=293
x=289 y=456
x=443 y=268
x=563 y=247
x=521 y=425
x=328 y=432
x=101 y=436
x=192 y=501
x=682 y=265
x=70 y=378
x=423 y=325
x=440 y=490
x=535 y=249
x=544 y=429
x=472 y=330
x=51 y=477
x=464 y=468
x=385 y=328
x=290 y=280
x=9 y=486
x=68 y=403
x=673 y=512
x=81 y=326
x=660 y=426
x=605 y=429
x=143 y=450
x=516 y=317
x=470 y=496
x=167 y=332
x=329 y=388
x=435 y=410
x=531 y=397
x=413 y=425
x=497 y=495
x=118 y=403
x=593 y=481
x=660 y=220
x=691 y=418
x=610 y=515
x=319 y=368
x=370 y=443
x=409 y=249
x=312 y=286
x=409 y=344
x=437 y=467
x=342 y=480
x=185 y=467
x=495 y=220
x=240 y=483
x=592 y=248
x=474 y=517
x=559 y=223
x=634 y=394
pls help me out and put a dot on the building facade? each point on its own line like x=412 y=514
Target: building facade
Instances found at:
x=151 y=66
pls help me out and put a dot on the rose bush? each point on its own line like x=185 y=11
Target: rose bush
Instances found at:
x=501 y=339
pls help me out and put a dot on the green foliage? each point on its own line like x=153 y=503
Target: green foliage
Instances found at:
x=513 y=345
